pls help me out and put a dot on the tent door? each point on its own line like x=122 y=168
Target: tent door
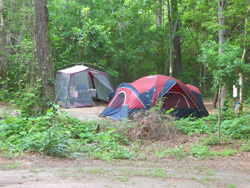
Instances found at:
x=175 y=100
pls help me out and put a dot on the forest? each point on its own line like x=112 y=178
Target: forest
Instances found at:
x=129 y=39
x=200 y=42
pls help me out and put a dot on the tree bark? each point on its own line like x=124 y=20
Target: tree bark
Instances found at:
x=170 y=41
x=3 y=51
x=122 y=62
x=243 y=58
x=45 y=64
x=222 y=5
x=159 y=13
x=167 y=65
x=215 y=100
x=176 y=40
x=33 y=69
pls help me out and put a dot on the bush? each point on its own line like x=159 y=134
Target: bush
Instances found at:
x=154 y=125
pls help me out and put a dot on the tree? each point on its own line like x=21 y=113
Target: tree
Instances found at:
x=222 y=67
x=170 y=41
x=3 y=58
x=176 y=39
x=159 y=12
x=222 y=5
x=45 y=64
x=243 y=59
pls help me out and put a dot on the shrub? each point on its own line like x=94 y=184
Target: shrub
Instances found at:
x=154 y=125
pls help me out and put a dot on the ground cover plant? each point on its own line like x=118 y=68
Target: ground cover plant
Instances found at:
x=152 y=135
x=60 y=135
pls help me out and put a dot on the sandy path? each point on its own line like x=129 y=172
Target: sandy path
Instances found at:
x=45 y=172
x=89 y=113
x=92 y=113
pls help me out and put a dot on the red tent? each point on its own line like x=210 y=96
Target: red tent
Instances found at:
x=145 y=92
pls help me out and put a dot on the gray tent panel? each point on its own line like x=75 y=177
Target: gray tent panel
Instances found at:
x=76 y=86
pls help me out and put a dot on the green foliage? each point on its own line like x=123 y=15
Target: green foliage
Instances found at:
x=203 y=125
x=28 y=100
x=245 y=147
x=60 y=135
x=200 y=151
x=55 y=144
x=238 y=127
x=120 y=36
x=178 y=153
x=222 y=66
x=203 y=151
x=232 y=126
x=212 y=140
x=107 y=146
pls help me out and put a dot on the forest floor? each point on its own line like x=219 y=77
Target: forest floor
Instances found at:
x=32 y=170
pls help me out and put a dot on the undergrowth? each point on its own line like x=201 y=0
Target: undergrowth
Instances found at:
x=60 y=135
x=236 y=127
x=57 y=134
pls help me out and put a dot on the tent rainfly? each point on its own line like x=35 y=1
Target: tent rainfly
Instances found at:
x=142 y=94
x=76 y=86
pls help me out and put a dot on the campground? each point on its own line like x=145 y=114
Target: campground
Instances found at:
x=30 y=169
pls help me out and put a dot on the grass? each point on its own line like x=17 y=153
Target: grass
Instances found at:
x=10 y=166
x=231 y=186
x=34 y=171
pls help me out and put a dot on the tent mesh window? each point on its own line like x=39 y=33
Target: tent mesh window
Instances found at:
x=118 y=101
x=61 y=88
x=174 y=100
x=102 y=86
x=79 y=92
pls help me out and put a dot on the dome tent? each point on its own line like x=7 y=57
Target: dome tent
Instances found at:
x=145 y=92
x=75 y=86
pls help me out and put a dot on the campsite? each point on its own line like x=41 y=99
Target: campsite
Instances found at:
x=124 y=93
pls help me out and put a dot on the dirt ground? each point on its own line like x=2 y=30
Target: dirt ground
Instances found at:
x=37 y=171
x=33 y=170
x=91 y=113
x=85 y=113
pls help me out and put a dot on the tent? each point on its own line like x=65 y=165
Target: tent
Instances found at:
x=76 y=86
x=145 y=92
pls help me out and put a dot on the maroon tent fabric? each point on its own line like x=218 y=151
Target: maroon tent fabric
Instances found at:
x=145 y=92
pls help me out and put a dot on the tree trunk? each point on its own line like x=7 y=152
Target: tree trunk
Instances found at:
x=243 y=58
x=46 y=72
x=204 y=79
x=159 y=13
x=170 y=42
x=3 y=51
x=123 y=66
x=176 y=40
x=222 y=5
x=33 y=69
x=215 y=100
